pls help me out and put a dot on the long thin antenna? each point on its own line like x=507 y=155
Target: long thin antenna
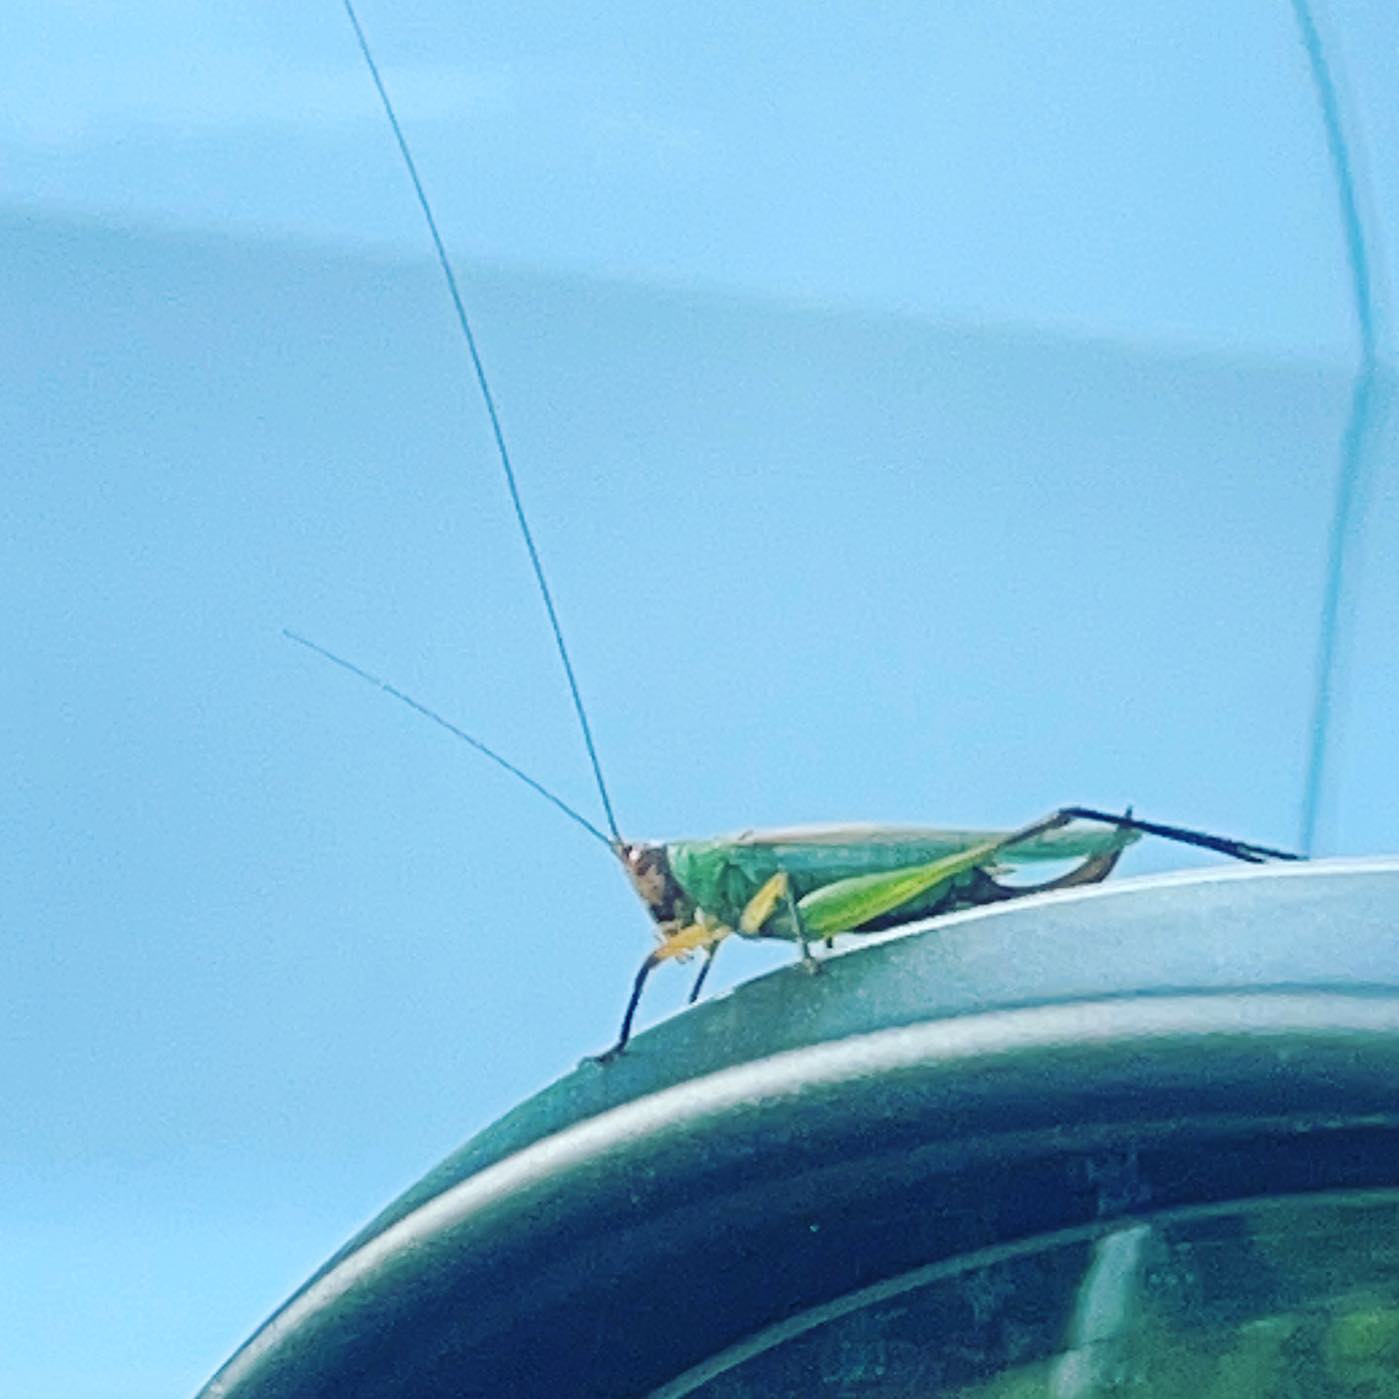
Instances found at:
x=1354 y=440
x=480 y=370
x=451 y=729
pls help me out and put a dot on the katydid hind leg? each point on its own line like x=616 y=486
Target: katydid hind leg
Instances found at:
x=984 y=889
x=1223 y=845
x=857 y=902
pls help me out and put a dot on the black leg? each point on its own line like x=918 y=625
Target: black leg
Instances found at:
x=983 y=889
x=1236 y=849
x=647 y=967
x=703 y=972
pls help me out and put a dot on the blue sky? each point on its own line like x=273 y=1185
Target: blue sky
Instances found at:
x=927 y=413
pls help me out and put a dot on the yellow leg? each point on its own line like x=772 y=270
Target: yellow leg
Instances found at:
x=705 y=933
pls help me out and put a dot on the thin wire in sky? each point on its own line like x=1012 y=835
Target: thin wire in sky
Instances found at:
x=1353 y=442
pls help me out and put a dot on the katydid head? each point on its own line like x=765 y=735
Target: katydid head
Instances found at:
x=648 y=868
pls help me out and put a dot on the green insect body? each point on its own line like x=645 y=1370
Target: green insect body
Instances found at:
x=838 y=873
x=815 y=883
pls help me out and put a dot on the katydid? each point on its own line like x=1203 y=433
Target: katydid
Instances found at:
x=806 y=884
x=813 y=883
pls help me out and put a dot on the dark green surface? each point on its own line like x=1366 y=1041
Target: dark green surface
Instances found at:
x=1238 y=928
x=1292 y=1299
x=1015 y=1015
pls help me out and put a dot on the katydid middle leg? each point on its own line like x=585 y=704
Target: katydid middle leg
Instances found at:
x=763 y=904
x=799 y=927
x=758 y=910
x=703 y=975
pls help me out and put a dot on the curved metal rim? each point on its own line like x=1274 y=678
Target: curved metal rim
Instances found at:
x=973 y=962
x=717 y=1107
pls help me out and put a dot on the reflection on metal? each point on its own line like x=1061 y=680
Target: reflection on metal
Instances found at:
x=1091 y=1361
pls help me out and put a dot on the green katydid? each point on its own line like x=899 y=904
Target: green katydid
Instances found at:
x=811 y=883
x=808 y=884
x=804 y=884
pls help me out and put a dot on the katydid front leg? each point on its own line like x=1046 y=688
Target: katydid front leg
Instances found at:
x=704 y=935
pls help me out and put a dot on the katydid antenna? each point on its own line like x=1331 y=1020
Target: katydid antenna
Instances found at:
x=513 y=486
x=419 y=707
x=1353 y=444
